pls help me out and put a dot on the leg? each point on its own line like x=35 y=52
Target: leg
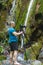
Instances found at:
x=15 y=58
x=15 y=49
x=11 y=56
x=11 y=52
x=15 y=55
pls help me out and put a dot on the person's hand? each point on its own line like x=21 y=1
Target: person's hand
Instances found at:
x=21 y=32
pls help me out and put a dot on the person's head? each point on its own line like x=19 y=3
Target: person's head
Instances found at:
x=12 y=24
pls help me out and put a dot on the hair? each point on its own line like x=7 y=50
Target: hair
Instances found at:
x=12 y=22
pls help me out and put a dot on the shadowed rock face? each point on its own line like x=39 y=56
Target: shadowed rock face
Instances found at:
x=38 y=32
x=0 y=6
x=39 y=16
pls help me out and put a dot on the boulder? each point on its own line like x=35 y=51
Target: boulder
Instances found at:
x=41 y=56
x=36 y=62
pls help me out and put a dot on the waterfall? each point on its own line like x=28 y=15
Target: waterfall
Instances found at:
x=12 y=12
x=28 y=12
x=27 y=15
x=13 y=7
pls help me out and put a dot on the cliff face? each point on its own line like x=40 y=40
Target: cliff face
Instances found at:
x=34 y=31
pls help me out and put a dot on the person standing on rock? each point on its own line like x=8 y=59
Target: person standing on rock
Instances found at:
x=13 y=42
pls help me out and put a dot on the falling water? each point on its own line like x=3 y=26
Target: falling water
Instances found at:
x=12 y=11
x=13 y=7
x=12 y=14
x=28 y=12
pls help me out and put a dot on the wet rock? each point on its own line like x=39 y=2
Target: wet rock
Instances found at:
x=25 y=62
x=42 y=50
x=28 y=62
x=6 y=62
x=36 y=62
x=41 y=56
x=6 y=53
x=20 y=57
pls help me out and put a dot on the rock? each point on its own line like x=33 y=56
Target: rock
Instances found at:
x=24 y=62
x=41 y=56
x=20 y=57
x=36 y=62
x=6 y=52
x=8 y=57
x=28 y=62
x=6 y=62
x=0 y=63
x=42 y=50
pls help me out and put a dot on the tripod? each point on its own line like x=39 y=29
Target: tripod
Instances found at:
x=22 y=45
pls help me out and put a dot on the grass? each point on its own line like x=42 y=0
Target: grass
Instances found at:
x=2 y=57
x=41 y=6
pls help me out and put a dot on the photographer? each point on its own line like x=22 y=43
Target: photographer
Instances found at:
x=13 y=42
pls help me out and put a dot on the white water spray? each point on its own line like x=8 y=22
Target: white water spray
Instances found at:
x=13 y=7
x=28 y=12
x=12 y=12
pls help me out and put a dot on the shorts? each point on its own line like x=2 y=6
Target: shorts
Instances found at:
x=13 y=46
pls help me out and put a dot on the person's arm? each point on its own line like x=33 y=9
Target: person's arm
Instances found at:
x=17 y=33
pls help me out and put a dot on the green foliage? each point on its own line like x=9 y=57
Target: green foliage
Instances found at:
x=31 y=52
x=41 y=6
x=42 y=63
x=6 y=3
x=5 y=6
x=2 y=35
x=1 y=49
x=21 y=12
x=2 y=57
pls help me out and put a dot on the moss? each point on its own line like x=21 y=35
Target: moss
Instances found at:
x=4 y=10
x=41 y=6
x=31 y=52
x=21 y=14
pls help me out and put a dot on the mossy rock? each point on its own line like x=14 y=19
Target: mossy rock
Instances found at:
x=36 y=62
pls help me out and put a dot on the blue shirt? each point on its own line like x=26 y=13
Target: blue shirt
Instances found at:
x=12 y=38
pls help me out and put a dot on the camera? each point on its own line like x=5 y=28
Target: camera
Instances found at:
x=22 y=27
